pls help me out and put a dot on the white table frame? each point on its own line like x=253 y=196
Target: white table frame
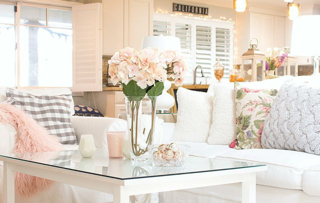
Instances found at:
x=123 y=189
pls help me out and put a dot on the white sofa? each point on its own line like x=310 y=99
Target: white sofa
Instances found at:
x=292 y=177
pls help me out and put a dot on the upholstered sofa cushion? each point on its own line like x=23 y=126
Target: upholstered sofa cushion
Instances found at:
x=252 y=107
x=50 y=92
x=82 y=110
x=311 y=181
x=51 y=112
x=194 y=116
x=285 y=168
x=294 y=120
x=222 y=130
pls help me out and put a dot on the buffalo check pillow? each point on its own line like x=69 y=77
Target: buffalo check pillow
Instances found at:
x=51 y=112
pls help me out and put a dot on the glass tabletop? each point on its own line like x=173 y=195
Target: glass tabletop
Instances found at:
x=100 y=164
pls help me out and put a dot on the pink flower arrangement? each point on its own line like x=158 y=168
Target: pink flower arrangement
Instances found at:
x=276 y=59
x=175 y=66
x=146 y=67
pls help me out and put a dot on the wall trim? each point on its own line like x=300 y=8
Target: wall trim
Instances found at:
x=267 y=9
x=49 y=2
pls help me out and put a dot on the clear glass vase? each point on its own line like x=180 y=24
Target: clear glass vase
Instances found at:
x=141 y=115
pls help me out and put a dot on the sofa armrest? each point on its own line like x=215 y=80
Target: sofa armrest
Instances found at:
x=8 y=138
x=97 y=126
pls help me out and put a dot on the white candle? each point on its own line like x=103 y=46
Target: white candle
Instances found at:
x=87 y=146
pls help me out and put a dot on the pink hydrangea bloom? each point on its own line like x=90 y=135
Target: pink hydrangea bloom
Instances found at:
x=146 y=66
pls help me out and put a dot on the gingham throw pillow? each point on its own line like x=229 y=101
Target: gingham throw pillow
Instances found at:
x=51 y=112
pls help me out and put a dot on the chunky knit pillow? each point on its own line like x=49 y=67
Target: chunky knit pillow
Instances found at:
x=294 y=120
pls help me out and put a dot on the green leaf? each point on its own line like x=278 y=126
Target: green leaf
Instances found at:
x=255 y=134
x=271 y=92
x=240 y=94
x=156 y=90
x=133 y=91
x=257 y=123
x=237 y=130
x=274 y=92
x=260 y=112
x=246 y=122
x=240 y=137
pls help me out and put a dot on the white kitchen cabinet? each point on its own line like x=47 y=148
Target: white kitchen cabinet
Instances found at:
x=270 y=30
x=125 y=23
x=279 y=34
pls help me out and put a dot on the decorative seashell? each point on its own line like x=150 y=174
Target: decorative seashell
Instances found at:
x=177 y=154
x=173 y=146
x=168 y=154
x=162 y=147
x=157 y=155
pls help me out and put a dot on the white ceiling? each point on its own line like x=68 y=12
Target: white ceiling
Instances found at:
x=269 y=3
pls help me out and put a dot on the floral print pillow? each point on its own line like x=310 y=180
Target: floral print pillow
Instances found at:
x=252 y=107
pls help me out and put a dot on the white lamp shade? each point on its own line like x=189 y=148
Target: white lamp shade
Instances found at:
x=306 y=36
x=162 y=43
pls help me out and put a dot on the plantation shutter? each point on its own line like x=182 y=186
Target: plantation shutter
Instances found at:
x=183 y=31
x=223 y=48
x=204 y=50
x=87 y=47
x=161 y=28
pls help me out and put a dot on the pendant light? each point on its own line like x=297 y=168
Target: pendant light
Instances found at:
x=293 y=10
x=240 y=5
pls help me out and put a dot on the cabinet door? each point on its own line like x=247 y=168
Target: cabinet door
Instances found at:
x=279 y=31
x=267 y=33
x=113 y=29
x=140 y=22
x=256 y=27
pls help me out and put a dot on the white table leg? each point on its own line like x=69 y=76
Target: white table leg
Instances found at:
x=8 y=184
x=120 y=195
x=249 y=189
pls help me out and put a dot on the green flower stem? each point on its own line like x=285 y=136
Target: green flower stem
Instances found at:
x=135 y=107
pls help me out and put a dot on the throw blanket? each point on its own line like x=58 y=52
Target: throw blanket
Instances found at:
x=31 y=137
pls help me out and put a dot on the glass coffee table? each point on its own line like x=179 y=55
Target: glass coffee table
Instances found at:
x=122 y=179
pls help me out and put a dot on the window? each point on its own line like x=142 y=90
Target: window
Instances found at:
x=43 y=50
x=203 y=42
x=7 y=46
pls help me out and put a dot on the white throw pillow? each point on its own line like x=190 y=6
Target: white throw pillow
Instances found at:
x=222 y=131
x=194 y=116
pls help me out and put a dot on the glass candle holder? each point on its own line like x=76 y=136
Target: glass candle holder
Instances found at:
x=115 y=143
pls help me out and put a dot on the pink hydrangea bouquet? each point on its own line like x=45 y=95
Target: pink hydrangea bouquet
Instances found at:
x=143 y=72
x=276 y=59
x=175 y=66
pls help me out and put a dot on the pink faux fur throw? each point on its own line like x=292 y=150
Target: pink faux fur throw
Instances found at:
x=31 y=137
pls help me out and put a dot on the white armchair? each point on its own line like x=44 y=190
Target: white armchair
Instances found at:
x=97 y=126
